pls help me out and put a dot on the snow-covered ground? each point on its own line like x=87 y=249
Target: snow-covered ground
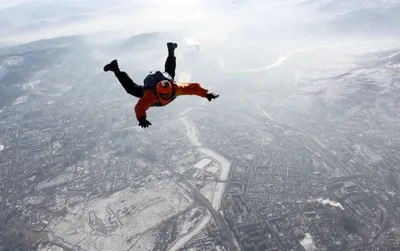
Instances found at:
x=191 y=221
x=213 y=167
x=118 y=221
x=144 y=243
x=64 y=178
x=202 y=163
x=31 y=85
x=367 y=153
x=308 y=243
x=11 y=62
x=20 y=100
x=208 y=190
x=329 y=202
x=34 y=200
x=49 y=247
x=184 y=239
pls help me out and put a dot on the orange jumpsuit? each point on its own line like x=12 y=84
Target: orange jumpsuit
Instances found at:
x=149 y=98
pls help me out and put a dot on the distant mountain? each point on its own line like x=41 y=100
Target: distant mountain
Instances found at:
x=44 y=18
x=20 y=62
x=44 y=44
x=46 y=10
x=148 y=41
x=138 y=43
x=16 y=68
x=42 y=25
x=67 y=41
x=370 y=90
x=368 y=17
x=379 y=21
x=376 y=59
x=345 y=6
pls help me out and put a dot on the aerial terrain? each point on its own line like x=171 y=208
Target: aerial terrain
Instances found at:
x=300 y=152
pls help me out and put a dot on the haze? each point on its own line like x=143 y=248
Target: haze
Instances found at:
x=299 y=152
x=252 y=32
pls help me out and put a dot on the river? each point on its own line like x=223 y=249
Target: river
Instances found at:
x=219 y=187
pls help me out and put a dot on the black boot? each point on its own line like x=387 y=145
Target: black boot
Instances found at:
x=113 y=66
x=171 y=48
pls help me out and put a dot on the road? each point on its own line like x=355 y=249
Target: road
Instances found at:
x=216 y=201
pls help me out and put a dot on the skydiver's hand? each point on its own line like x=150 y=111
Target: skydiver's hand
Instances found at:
x=211 y=96
x=143 y=122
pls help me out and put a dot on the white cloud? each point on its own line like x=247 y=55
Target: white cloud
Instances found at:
x=206 y=19
x=30 y=20
x=11 y=3
x=266 y=26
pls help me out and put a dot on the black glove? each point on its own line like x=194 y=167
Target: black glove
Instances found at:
x=211 y=95
x=143 y=122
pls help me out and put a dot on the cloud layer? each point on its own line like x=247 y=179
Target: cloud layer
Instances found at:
x=245 y=29
x=32 y=20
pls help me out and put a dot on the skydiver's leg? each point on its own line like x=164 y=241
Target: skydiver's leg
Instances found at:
x=170 y=62
x=126 y=82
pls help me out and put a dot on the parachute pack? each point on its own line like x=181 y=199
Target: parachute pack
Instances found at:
x=151 y=80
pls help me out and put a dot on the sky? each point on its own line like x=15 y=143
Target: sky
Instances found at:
x=214 y=21
x=230 y=25
x=27 y=20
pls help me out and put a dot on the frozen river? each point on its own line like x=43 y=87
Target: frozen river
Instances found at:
x=219 y=187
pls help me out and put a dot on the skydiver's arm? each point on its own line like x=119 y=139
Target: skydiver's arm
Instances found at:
x=190 y=89
x=144 y=104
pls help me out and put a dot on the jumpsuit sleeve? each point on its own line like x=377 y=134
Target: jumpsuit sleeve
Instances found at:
x=144 y=103
x=190 y=89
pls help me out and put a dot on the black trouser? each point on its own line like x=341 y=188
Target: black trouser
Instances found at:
x=137 y=90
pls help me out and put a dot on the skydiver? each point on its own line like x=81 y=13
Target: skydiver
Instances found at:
x=160 y=88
